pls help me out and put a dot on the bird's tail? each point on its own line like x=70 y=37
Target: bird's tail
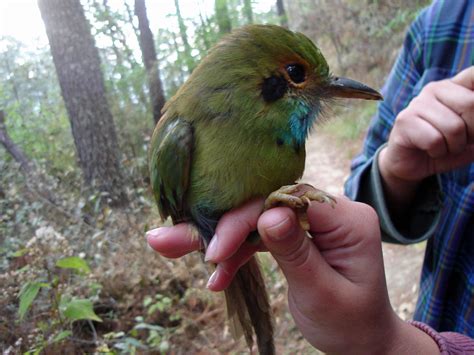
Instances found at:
x=248 y=307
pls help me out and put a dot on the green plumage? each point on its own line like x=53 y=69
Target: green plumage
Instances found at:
x=236 y=130
x=235 y=155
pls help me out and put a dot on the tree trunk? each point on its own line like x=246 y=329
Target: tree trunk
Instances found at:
x=248 y=13
x=15 y=151
x=77 y=63
x=222 y=17
x=189 y=60
x=282 y=13
x=147 y=46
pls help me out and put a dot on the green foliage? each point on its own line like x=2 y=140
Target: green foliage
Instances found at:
x=31 y=99
x=156 y=337
x=161 y=303
x=43 y=343
x=27 y=295
x=174 y=57
x=63 y=309
x=357 y=37
x=75 y=263
x=77 y=309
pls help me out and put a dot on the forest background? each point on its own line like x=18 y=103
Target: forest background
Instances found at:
x=76 y=115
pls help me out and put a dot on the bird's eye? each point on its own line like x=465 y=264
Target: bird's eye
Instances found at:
x=296 y=73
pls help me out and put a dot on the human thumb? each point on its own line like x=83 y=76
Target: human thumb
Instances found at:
x=291 y=247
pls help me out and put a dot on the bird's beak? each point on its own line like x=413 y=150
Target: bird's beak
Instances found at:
x=348 y=88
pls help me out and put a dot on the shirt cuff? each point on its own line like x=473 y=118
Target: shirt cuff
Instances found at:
x=449 y=343
x=420 y=220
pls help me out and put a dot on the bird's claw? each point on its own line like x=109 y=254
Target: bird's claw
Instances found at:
x=299 y=198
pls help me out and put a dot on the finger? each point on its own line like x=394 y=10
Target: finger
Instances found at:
x=451 y=126
x=421 y=134
x=232 y=230
x=459 y=99
x=174 y=242
x=465 y=78
x=294 y=252
x=226 y=270
x=347 y=237
x=325 y=218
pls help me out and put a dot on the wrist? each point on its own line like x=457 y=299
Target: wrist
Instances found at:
x=396 y=337
x=399 y=191
x=408 y=339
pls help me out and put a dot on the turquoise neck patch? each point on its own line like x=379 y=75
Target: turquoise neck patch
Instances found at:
x=300 y=123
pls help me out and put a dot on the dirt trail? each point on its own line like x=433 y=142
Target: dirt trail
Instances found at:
x=327 y=167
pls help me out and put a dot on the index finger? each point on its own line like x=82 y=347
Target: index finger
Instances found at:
x=174 y=242
x=233 y=229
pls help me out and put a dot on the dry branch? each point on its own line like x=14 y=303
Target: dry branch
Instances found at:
x=14 y=150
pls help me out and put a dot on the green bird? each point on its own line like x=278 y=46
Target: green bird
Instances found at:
x=236 y=130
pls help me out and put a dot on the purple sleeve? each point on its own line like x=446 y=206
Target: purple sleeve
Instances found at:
x=449 y=343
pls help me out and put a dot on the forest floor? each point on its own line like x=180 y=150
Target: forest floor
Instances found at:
x=327 y=167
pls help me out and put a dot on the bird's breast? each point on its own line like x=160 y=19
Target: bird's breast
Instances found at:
x=233 y=166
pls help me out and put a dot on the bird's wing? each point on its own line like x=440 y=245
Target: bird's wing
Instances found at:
x=170 y=165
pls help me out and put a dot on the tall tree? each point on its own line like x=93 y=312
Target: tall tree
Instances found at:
x=247 y=9
x=77 y=63
x=147 y=46
x=282 y=13
x=222 y=16
x=188 y=58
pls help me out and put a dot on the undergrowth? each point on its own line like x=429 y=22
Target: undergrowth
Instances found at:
x=78 y=277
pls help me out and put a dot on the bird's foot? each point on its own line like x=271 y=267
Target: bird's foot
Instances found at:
x=299 y=198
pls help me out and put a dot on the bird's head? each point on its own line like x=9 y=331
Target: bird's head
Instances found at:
x=271 y=78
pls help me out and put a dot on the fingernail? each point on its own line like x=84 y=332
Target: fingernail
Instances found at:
x=154 y=233
x=212 y=249
x=280 y=230
x=212 y=279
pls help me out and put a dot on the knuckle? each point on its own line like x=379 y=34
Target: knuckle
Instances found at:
x=456 y=130
x=436 y=141
x=432 y=86
x=298 y=256
x=397 y=140
x=400 y=122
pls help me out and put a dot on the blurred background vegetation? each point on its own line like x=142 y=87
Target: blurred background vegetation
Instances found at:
x=75 y=273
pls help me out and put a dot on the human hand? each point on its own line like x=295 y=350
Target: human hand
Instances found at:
x=228 y=248
x=337 y=293
x=434 y=134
